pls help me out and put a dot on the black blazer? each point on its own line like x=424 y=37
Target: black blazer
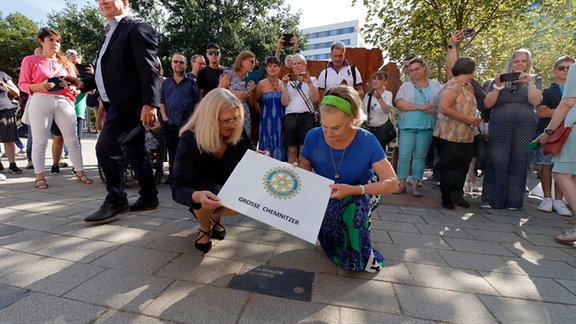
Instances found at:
x=129 y=67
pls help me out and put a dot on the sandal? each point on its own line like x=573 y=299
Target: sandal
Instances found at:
x=84 y=179
x=401 y=190
x=218 y=235
x=204 y=247
x=40 y=184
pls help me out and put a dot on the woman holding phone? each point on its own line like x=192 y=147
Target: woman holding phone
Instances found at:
x=512 y=98
x=299 y=93
x=51 y=99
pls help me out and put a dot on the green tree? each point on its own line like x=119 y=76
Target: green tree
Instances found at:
x=17 y=39
x=423 y=27
x=81 y=29
x=187 y=26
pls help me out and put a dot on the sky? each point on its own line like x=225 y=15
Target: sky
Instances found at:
x=332 y=11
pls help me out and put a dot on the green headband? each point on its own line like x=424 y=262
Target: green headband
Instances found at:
x=338 y=102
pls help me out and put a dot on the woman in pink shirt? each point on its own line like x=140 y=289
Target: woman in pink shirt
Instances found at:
x=49 y=101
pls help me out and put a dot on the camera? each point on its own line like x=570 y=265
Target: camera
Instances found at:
x=296 y=76
x=509 y=77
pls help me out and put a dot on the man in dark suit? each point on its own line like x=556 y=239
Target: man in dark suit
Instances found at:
x=127 y=79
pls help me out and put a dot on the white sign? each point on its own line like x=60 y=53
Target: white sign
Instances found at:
x=278 y=194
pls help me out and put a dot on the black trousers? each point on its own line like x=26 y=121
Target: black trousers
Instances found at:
x=172 y=140
x=121 y=142
x=454 y=162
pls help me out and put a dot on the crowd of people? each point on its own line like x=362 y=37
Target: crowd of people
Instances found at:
x=324 y=123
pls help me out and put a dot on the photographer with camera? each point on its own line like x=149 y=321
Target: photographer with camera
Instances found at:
x=299 y=93
x=512 y=98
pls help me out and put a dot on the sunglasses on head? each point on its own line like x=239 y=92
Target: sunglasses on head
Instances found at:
x=272 y=59
x=213 y=52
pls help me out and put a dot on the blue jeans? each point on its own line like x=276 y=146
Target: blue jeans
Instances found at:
x=413 y=144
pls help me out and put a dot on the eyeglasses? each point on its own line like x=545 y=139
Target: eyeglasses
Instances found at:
x=562 y=68
x=251 y=61
x=213 y=52
x=228 y=122
x=178 y=62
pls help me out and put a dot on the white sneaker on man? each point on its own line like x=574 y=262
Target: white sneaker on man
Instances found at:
x=546 y=205
x=561 y=209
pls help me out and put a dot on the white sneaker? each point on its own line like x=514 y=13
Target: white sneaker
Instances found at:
x=2 y=177
x=561 y=209
x=546 y=205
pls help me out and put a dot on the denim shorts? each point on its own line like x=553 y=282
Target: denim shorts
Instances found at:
x=541 y=158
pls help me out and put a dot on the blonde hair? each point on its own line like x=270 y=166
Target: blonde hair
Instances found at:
x=351 y=95
x=241 y=57
x=204 y=121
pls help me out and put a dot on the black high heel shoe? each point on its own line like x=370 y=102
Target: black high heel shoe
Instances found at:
x=218 y=235
x=204 y=247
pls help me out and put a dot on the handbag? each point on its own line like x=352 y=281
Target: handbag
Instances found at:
x=297 y=85
x=556 y=141
x=386 y=132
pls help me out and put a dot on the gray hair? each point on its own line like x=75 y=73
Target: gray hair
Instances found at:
x=299 y=57
x=338 y=45
x=508 y=68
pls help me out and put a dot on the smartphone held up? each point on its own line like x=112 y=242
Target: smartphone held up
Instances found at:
x=509 y=77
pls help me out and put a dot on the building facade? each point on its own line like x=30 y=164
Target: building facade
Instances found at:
x=321 y=38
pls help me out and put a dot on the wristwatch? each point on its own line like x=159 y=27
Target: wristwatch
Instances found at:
x=451 y=46
x=549 y=131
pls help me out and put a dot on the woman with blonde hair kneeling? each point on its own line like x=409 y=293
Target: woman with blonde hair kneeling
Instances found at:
x=354 y=159
x=211 y=145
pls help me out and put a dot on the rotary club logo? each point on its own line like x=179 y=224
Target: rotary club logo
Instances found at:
x=282 y=183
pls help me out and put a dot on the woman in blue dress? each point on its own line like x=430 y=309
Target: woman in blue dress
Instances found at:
x=268 y=103
x=353 y=158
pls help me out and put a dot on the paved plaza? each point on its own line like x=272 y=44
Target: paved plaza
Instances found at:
x=442 y=266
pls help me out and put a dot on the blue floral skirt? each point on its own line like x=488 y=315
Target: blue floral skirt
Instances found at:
x=345 y=233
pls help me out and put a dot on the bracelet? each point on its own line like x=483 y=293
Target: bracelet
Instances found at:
x=363 y=189
x=498 y=87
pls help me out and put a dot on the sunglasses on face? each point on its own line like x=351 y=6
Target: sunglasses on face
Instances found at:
x=178 y=62
x=562 y=68
x=213 y=52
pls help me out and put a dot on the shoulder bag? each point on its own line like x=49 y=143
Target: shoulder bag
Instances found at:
x=556 y=141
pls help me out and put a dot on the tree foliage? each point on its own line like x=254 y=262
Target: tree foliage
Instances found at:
x=236 y=25
x=81 y=29
x=17 y=39
x=423 y=27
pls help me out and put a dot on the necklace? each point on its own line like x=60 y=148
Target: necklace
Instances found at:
x=275 y=86
x=337 y=171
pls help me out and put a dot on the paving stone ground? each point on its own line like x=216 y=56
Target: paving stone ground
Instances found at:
x=442 y=266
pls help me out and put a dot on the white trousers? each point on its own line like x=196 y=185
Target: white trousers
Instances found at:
x=44 y=108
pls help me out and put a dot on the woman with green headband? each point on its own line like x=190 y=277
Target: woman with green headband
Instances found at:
x=353 y=158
